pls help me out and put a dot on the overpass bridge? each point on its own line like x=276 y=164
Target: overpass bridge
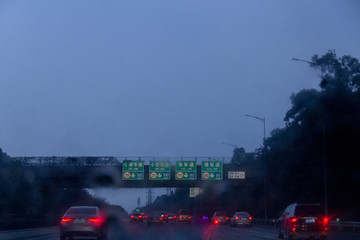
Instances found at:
x=92 y=172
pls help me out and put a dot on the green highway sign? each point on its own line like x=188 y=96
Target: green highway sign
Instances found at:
x=133 y=170
x=211 y=170
x=185 y=170
x=159 y=170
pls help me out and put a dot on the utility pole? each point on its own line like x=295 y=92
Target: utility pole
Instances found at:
x=149 y=196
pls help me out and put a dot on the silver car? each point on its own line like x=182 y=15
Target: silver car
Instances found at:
x=82 y=221
x=241 y=219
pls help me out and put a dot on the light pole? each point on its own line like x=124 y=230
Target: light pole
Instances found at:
x=312 y=64
x=229 y=144
x=265 y=172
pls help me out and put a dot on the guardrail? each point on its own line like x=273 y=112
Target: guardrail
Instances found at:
x=335 y=226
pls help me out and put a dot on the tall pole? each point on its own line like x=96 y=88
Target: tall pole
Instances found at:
x=265 y=169
x=312 y=64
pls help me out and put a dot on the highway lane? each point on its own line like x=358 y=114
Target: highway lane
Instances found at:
x=168 y=232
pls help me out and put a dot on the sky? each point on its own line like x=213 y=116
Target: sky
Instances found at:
x=158 y=78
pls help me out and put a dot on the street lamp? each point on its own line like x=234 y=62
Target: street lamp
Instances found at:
x=229 y=144
x=312 y=64
x=265 y=172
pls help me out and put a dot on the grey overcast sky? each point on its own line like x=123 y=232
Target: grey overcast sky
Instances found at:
x=158 y=78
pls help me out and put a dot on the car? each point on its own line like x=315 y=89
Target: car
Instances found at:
x=170 y=217
x=220 y=217
x=138 y=218
x=303 y=221
x=184 y=215
x=241 y=219
x=155 y=218
x=83 y=221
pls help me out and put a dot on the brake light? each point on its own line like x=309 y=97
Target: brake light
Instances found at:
x=227 y=218
x=140 y=216
x=161 y=218
x=293 y=220
x=96 y=221
x=132 y=216
x=294 y=229
x=174 y=216
x=237 y=218
x=216 y=222
x=325 y=221
x=189 y=217
x=250 y=218
x=64 y=220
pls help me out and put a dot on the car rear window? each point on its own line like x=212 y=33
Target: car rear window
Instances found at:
x=222 y=213
x=242 y=214
x=308 y=211
x=81 y=210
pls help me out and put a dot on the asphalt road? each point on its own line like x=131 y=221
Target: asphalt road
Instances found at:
x=168 y=232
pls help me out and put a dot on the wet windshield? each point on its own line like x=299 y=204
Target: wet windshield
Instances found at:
x=179 y=119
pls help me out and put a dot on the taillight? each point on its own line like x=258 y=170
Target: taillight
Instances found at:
x=145 y=217
x=294 y=229
x=161 y=218
x=189 y=217
x=180 y=217
x=237 y=218
x=65 y=220
x=325 y=221
x=174 y=216
x=96 y=221
x=215 y=218
x=216 y=222
x=140 y=216
x=227 y=218
x=293 y=220
x=132 y=216
x=166 y=215
x=250 y=218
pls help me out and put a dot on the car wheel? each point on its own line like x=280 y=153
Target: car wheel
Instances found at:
x=280 y=235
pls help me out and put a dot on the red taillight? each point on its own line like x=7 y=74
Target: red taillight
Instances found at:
x=189 y=217
x=294 y=229
x=227 y=218
x=174 y=216
x=216 y=222
x=166 y=215
x=237 y=218
x=325 y=221
x=64 y=220
x=215 y=218
x=161 y=218
x=180 y=217
x=132 y=216
x=293 y=220
x=145 y=217
x=140 y=216
x=96 y=221
x=250 y=218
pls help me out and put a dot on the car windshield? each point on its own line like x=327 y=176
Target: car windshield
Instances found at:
x=217 y=119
